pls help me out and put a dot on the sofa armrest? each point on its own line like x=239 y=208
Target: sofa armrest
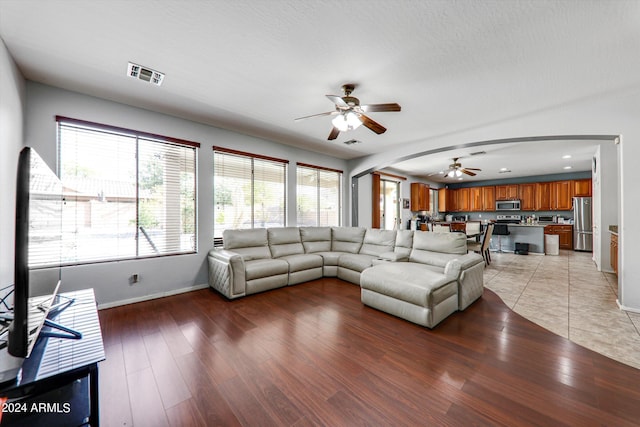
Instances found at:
x=227 y=273
x=468 y=270
x=393 y=256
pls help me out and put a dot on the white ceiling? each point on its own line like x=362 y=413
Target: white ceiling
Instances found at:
x=255 y=65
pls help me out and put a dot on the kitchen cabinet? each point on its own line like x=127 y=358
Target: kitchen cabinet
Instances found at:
x=507 y=192
x=444 y=200
x=476 y=203
x=582 y=188
x=564 y=233
x=527 y=195
x=419 y=197
x=543 y=196
x=489 y=198
x=614 y=253
x=561 y=194
x=462 y=199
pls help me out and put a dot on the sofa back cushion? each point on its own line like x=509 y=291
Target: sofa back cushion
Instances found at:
x=378 y=241
x=250 y=243
x=404 y=242
x=436 y=248
x=316 y=239
x=347 y=239
x=284 y=241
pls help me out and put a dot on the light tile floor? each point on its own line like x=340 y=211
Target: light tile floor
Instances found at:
x=568 y=296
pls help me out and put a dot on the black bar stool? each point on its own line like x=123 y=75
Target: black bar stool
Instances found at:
x=500 y=230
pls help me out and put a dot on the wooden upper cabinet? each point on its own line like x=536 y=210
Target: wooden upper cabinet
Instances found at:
x=462 y=198
x=419 y=197
x=582 y=188
x=561 y=194
x=527 y=195
x=444 y=197
x=543 y=196
x=507 y=192
x=489 y=198
x=475 y=199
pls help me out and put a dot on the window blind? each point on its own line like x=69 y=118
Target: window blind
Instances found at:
x=127 y=194
x=249 y=191
x=319 y=195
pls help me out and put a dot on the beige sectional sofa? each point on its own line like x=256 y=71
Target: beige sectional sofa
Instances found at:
x=257 y=260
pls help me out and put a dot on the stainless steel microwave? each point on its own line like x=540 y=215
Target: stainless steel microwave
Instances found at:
x=507 y=205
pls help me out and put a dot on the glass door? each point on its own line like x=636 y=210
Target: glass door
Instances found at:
x=389 y=204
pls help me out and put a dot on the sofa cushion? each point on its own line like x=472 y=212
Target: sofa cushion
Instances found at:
x=404 y=242
x=300 y=262
x=347 y=239
x=356 y=262
x=284 y=241
x=316 y=239
x=259 y=268
x=250 y=243
x=449 y=243
x=330 y=258
x=378 y=241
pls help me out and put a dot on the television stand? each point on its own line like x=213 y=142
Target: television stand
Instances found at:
x=61 y=375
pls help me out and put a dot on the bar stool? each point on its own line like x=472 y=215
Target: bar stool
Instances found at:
x=500 y=230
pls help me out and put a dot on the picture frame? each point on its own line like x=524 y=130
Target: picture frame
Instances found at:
x=405 y=204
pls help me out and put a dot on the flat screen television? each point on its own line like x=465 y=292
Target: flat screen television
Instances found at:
x=38 y=256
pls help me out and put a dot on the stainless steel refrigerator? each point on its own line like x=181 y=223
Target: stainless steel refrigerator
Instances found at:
x=582 y=224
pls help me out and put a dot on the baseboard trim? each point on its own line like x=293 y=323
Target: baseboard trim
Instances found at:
x=152 y=296
x=624 y=308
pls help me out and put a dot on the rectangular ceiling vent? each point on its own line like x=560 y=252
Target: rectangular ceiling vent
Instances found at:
x=146 y=74
x=478 y=153
x=352 y=141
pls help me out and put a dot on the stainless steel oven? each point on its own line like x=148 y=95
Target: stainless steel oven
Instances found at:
x=507 y=205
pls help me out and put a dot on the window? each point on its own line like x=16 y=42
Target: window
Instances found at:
x=319 y=196
x=249 y=191
x=433 y=202
x=127 y=194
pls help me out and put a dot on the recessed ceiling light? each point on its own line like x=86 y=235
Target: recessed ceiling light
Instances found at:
x=567 y=167
x=460 y=179
x=504 y=169
x=566 y=156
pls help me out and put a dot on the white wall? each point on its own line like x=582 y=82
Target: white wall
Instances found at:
x=158 y=276
x=615 y=114
x=605 y=199
x=12 y=100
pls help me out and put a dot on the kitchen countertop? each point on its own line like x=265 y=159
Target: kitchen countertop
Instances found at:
x=527 y=225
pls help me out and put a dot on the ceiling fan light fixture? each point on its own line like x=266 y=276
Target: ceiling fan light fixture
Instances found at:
x=458 y=173
x=346 y=121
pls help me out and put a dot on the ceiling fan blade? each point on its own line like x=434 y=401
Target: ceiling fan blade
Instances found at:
x=473 y=169
x=334 y=134
x=372 y=108
x=338 y=101
x=372 y=124
x=328 y=113
x=468 y=172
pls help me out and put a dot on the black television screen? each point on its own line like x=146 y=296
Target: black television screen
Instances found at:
x=38 y=249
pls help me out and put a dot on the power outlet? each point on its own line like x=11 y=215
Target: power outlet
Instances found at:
x=134 y=278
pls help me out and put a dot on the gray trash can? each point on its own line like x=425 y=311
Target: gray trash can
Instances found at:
x=551 y=244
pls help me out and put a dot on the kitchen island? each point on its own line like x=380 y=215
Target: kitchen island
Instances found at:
x=533 y=234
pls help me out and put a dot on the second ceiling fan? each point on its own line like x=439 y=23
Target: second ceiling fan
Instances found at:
x=350 y=114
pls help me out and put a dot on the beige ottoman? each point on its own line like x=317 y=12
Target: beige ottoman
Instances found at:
x=410 y=291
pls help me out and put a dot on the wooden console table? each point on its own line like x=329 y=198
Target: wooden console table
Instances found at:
x=58 y=385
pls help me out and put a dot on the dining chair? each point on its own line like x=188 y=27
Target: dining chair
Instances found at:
x=441 y=228
x=483 y=247
x=473 y=229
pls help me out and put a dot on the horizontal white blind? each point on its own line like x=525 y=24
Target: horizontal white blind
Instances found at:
x=249 y=192
x=127 y=196
x=319 y=194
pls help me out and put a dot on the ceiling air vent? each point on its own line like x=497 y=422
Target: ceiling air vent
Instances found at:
x=352 y=141
x=146 y=74
x=478 y=153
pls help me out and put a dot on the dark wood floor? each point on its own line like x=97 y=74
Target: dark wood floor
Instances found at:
x=312 y=354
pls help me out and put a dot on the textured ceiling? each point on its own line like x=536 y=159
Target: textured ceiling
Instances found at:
x=254 y=66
